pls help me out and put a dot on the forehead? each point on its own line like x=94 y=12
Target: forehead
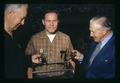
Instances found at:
x=23 y=10
x=51 y=14
x=95 y=25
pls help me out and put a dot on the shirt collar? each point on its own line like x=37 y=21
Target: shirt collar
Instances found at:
x=106 y=39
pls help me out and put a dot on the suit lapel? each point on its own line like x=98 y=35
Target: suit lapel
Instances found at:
x=103 y=50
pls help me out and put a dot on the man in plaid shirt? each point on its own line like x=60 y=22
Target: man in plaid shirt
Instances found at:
x=50 y=49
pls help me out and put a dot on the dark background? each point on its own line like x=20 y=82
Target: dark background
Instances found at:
x=74 y=21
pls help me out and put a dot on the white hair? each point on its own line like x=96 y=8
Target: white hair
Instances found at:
x=13 y=7
x=102 y=21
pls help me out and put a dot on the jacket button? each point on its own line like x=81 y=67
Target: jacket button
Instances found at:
x=106 y=60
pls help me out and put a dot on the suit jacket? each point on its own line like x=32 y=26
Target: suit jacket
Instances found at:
x=14 y=58
x=103 y=65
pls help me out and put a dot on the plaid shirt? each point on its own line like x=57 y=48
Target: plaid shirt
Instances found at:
x=52 y=51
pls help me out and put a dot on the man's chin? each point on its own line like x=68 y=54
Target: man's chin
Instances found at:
x=16 y=27
x=52 y=32
x=96 y=40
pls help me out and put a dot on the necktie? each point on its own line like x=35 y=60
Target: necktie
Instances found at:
x=96 y=51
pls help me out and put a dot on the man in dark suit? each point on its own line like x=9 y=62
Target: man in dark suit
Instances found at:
x=14 y=60
x=100 y=61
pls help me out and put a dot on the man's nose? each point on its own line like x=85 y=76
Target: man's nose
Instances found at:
x=22 y=22
x=52 y=23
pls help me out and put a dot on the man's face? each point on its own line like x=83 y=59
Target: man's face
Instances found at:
x=16 y=18
x=96 y=31
x=50 y=22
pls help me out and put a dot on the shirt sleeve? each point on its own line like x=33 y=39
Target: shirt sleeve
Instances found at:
x=30 y=48
x=81 y=58
x=29 y=51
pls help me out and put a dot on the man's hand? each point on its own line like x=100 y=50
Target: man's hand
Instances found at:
x=29 y=73
x=36 y=59
x=76 y=54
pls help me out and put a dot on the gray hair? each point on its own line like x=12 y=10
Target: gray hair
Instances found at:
x=14 y=7
x=103 y=21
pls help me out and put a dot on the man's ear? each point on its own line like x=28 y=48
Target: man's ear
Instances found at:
x=104 y=31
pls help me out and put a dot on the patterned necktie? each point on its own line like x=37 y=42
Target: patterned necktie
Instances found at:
x=96 y=51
